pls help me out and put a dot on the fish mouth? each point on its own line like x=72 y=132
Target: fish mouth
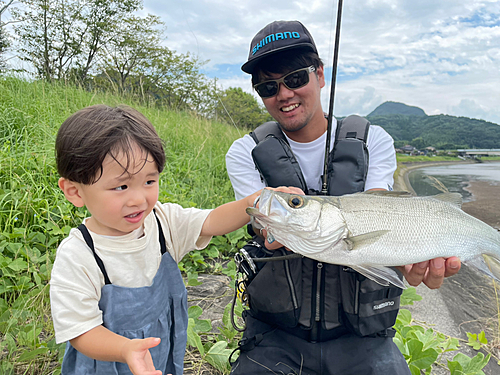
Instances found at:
x=275 y=210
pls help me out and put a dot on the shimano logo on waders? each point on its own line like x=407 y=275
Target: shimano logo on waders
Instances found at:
x=382 y=305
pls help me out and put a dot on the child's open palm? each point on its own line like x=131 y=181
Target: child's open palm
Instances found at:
x=139 y=358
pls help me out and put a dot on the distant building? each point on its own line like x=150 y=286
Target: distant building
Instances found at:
x=479 y=152
x=407 y=148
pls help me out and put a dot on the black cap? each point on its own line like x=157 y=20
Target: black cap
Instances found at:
x=276 y=37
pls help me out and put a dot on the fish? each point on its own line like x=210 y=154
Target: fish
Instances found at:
x=373 y=231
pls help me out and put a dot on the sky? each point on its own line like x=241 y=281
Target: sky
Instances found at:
x=440 y=55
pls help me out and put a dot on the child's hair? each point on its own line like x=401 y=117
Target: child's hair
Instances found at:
x=88 y=135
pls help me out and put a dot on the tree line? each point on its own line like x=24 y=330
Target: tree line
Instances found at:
x=441 y=131
x=105 y=45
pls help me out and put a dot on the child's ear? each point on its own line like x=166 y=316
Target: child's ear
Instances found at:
x=71 y=191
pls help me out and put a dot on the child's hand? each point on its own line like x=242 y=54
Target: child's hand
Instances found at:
x=138 y=358
x=288 y=189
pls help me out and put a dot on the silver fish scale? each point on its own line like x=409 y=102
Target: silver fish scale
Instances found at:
x=420 y=228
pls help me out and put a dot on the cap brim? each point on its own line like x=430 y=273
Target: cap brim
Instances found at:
x=249 y=66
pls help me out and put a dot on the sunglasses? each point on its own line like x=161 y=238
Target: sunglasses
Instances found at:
x=292 y=81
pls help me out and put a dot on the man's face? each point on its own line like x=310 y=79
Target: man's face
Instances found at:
x=294 y=109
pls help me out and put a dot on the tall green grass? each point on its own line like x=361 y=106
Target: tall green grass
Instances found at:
x=35 y=217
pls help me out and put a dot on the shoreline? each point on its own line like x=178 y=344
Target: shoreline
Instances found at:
x=485 y=204
x=401 y=180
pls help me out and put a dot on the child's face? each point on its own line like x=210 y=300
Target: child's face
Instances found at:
x=119 y=202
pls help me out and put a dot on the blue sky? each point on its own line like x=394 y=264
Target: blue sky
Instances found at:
x=440 y=55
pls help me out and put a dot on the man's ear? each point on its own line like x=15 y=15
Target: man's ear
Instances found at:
x=320 y=73
x=71 y=191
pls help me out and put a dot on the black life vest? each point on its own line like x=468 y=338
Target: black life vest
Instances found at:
x=303 y=293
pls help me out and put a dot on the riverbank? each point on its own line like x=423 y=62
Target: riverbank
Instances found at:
x=466 y=302
x=486 y=202
x=401 y=181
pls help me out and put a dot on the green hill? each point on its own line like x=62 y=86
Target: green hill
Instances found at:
x=394 y=108
x=410 y=125
x=441 y=131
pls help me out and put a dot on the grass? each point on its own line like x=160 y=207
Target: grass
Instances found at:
x=35 y=217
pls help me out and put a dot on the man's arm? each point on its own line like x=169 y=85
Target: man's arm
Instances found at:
x=244 y=176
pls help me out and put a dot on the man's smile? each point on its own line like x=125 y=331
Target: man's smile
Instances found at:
x=289 y=108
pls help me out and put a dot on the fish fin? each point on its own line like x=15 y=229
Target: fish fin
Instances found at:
x=356 y=242
x=381 y=275
x=486 y=264
x=452 y=198
x=387 y=193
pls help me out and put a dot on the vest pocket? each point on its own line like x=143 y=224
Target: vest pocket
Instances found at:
x=368 y=307
x=275 y=293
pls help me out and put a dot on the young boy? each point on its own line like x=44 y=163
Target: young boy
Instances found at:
x=116 y=292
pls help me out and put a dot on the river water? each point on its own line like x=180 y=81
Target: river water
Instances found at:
x=454 y=176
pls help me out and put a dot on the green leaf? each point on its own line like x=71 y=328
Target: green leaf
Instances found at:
x=32 y=354
x=404 y=317
x=195 y=312
x=218 y=356
x=482 y=338
x=203 y=325
x=462 y=359
x=193 y=279
x=477 y=363
x=455 y=367
x=425 y=359
x=409 y=296
x=414 y=369
x=212 y=252
x=428 y=338
x=401 y=346
x=473 y=341
x=18 y=265
x=421 y=358
x=193 y=338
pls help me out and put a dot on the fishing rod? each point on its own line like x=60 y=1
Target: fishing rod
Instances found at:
x=324 y=189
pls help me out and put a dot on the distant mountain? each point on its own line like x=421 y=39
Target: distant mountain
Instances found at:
x=394 y=108
x=440 y=131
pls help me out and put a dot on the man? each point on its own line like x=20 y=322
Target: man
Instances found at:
x=307 y=317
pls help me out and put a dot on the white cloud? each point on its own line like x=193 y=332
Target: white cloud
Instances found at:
x=442 y=56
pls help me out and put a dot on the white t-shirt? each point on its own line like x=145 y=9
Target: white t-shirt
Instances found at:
x=246 y=179
x=76 y=280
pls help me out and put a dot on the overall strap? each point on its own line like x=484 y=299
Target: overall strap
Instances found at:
x=161 y=236
x=90 y=244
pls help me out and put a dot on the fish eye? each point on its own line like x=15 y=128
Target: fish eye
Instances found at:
x=296 y=201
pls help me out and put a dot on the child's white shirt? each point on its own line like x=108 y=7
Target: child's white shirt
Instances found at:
x=76 y=280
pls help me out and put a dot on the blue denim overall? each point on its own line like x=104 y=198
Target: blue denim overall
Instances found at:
x=159 y=310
